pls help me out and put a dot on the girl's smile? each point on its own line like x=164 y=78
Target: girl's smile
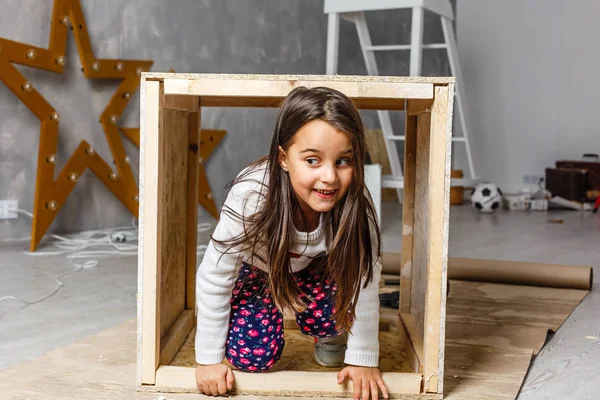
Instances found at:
x=325 y=194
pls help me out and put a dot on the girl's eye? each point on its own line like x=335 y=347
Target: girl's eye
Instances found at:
x=343 y=161
x=312 y=161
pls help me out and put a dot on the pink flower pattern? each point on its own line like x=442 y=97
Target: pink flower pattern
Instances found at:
x=256 y=337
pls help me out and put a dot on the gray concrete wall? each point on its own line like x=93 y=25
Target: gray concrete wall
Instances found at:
x=232 y=36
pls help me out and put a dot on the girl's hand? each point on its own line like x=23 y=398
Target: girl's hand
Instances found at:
x=214 y=379
x=366 y=381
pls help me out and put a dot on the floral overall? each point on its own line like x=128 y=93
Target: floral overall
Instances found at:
x=256 y=340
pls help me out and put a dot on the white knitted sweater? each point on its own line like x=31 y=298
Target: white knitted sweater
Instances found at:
x=216 y=276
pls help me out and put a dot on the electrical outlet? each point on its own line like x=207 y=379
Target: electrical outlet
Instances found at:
x=7 y=207
x=532 y=179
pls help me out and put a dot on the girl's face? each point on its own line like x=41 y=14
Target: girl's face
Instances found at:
x=319 y=163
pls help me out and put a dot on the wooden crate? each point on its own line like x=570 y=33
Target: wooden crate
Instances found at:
x=170 y=116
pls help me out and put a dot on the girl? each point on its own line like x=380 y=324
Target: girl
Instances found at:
x=297 y=231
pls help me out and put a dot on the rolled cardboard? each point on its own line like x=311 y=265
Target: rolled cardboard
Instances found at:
x=508 y=272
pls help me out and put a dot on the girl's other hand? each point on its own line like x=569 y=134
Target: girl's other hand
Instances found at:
x=367 y=382
x=214 y=379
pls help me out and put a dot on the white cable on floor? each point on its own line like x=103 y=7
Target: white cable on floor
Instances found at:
x=84 y=246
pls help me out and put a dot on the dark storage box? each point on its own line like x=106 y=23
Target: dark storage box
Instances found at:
x=592 y=168
x=567 y=183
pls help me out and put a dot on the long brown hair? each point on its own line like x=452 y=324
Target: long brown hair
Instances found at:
x=351 y=225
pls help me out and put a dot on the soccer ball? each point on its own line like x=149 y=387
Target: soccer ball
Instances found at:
x=486 y=197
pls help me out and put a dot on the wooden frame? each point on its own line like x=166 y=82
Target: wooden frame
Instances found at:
x=170 y=115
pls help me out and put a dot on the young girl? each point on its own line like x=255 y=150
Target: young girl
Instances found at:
x=297 y=231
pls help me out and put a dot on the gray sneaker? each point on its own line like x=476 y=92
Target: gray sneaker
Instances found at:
x=330 y=351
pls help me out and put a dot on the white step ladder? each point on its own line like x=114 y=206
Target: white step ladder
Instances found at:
x=353 y=11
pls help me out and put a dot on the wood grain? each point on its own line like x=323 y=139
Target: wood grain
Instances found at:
x=413 y=340
x=162 y=76
x=182 y=103
x=193 y=166
x=437 y=238
x=148 y=271
x=479 y=372
x=171 y=344
x=275 y=102
x=172 y=217
x=408 y=211
x=263 y=90
x=286 y=383
x=420 y=224
x=508 y=315
x=493 y=330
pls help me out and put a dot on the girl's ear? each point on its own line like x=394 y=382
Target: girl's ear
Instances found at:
x=282 y=158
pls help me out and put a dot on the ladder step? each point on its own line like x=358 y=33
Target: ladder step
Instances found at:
x=396 y=137
x=402 y=137
x=390 y=181
x=392 y=47
x=435 y=46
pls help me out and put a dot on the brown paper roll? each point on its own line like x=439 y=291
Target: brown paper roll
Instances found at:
x=509 y=272
x=521 y=273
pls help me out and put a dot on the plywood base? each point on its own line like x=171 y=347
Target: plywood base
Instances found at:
x=507 y=316
x=480 y=372
x=493 y=330
x=296 y=373
x=298 y=353
x=483 y=361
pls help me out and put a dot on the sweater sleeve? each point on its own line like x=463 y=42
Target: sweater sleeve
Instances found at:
x=215 y=276
x=363 y=343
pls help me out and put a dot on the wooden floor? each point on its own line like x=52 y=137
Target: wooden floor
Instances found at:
x=95 y=299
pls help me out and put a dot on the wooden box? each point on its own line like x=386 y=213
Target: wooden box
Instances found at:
x=170 y=117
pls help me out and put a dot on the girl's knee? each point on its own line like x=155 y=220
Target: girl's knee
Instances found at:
x=255 y=358
x=316 y=320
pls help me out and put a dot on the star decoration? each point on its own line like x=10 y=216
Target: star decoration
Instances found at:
x=51 y=194
x=209 y=140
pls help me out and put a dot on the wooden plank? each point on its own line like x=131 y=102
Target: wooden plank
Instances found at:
x=437 y=238
x=182 y=103
x=420 y=226
x=172 y=216
x=434 y=80
x=275 y=102
x=284 y=383
x=408 y=210
x=192 y=207
x=279 y=88
x=416 y=107
x=148 y=342
x=173 y=340
x=414 y=345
